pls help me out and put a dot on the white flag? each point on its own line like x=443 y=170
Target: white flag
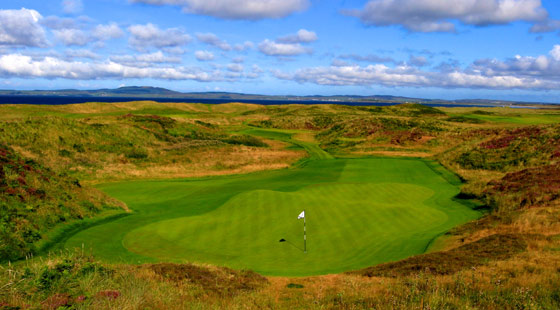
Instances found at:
x=301 y=215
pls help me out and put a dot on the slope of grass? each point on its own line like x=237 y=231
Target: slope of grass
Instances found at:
x=314 y=151
x=359 y=212
x=35 y=199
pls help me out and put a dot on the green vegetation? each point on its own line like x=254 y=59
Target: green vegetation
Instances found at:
x=333 y=159
x=360 y=211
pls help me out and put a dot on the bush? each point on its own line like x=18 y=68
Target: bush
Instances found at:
x=136 y=154
x=245 y=140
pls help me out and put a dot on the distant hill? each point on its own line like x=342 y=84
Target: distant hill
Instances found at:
x=158 y=92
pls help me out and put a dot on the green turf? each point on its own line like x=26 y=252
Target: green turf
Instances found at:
x=314 y=151
x=359 y=212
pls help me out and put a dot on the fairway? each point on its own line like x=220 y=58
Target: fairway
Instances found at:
x=359 y=212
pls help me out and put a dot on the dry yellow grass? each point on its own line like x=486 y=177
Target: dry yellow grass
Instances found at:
x=207 y=162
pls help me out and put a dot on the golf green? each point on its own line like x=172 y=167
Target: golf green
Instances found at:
x=359 y=212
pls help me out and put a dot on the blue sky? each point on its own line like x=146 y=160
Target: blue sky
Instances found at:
x=498 y=49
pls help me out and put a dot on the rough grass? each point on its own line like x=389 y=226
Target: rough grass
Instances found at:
x=494 y=247
x=35 y=199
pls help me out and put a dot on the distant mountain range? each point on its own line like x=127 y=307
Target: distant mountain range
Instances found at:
x=157 y=92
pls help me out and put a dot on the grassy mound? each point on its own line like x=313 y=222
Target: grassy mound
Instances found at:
x=360 y=212
x=34 y=199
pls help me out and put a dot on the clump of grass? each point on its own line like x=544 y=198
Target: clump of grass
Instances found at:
x=245 y=140
x=465 y=119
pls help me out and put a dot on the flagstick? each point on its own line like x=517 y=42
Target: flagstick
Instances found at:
x=304 y=234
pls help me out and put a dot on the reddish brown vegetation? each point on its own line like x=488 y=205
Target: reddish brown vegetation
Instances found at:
x=220 y=281
x=400 y=137
x=533 y=187
x=56 y=301
x=512 y=135
x=110 y=294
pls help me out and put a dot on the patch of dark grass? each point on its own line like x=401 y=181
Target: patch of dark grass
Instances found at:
x=465 y=119
x=294 y=285
x=136 y=154
x=480 y=112
x=245 y=140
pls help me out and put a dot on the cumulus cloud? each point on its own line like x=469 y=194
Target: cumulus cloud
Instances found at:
x=72 y=37
x=548 y=25
x=212 y=39
x=542 y=72
x=255 y=72
x=555 y=52
x=17 y=65
x=72 y=6
x=236 y=9
x=235 y=67
x=417 y=61
x=106 y=32
x=272 y=48
x=149 y=36
x=80 y=36
x=21 y=28
x=145 y=60
x=247 y=45
x=55 y=22
x=437 y=15
x=204 y=55
x=81 y=53
x=302 y=36
x=368 y=58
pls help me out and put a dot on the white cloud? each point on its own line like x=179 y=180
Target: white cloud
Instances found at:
x=72 y=6
x=106 y=32
x=236 y=9
x=72 y=32
x=272 y=48
x=81 y=53
x=235 y=67
x=72 y=37
x=55 y=22
x=204 y=55
x=21 y=28
x=369 y=58
x=548 y=25
x=555 y=52
x=17 y=65
x=212 y=39
x=538 y=73
x=247 y=45
x=302 y=36
x=417 y=61
x=149 y=36
x=145 y=60
x=256 y=72
x=436 y=15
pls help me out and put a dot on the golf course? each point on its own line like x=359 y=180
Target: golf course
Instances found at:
x=359 y=212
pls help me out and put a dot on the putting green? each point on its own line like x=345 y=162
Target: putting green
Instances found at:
x=359 y=212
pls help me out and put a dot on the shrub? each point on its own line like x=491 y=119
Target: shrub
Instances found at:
x=136 y=154
x=245 y=140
